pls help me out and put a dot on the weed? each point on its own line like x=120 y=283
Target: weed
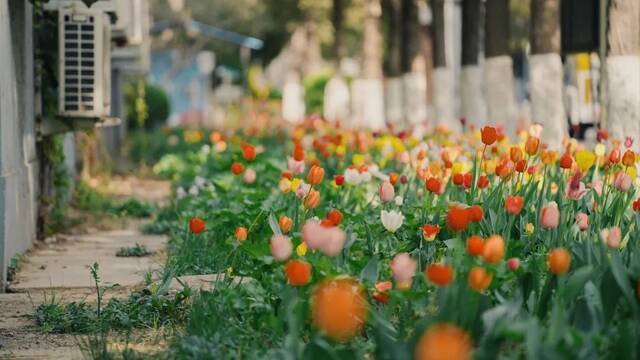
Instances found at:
x=133 y=251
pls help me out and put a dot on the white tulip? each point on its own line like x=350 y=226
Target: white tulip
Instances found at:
x=399 y=200
x=180 y=193
x=391 y=220
x=352 y=177
x=200 y=181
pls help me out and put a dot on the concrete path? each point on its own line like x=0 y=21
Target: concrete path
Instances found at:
x=61 y=269
x=66 y=264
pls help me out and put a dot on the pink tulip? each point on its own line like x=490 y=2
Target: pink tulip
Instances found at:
x=513 y=264
x=403 y=267
x=622 y=182
x=249 y=176
x=387 y=193
x=329 y=240
x=296 y=167
x=549 y=216
x=281 y=247
x=612 y=237
x=576 y=188
x=582 y=220
x=302 y=190
x=404 y=157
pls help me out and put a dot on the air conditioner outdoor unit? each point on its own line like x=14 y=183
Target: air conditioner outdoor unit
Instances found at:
x=132 y=25
x=84 y=63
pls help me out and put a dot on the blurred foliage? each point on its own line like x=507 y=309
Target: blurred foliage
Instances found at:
x=148 y=106
x=520 y=23
x=314 y=91
x=271 y=21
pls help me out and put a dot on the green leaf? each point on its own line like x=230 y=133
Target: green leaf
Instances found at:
x=370 y=272
x=575 y=282
x=273 y=224
x=620 y=275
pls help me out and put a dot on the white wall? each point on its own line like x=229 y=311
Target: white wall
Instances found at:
x=18 y=157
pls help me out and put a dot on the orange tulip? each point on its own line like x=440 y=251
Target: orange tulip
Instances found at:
x=335 y=216
x=241 y=233
x=298 y=272
x=531 y=146
x=237 y=168
x=440 y=274
x=475 y=213
x=521 y=166
x=566 y=161
x=629 y=158
x=380 y=294
x=548 y=157
x=515 y=154
x=298 y=152
x=483 y=182
x=458 y=179
x=444 y=342
x=312 y=200
x=475 y=244
x=315 y=176
x=285 y=223
x=479 y=279
x=339 y=308
x=614 y=156
x=513 y=204
x=493 y=250
x=433 y=185
x=248 y=152
x=489 y=135
x=196 y=225
x=429 y=231
x=393 y=178
x=559 y=261
x=457 y=218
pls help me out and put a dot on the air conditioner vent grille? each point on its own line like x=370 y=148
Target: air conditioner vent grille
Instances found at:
x=79 y=60
x=84 y=63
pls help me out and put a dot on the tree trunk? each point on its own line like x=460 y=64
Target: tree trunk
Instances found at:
x=496 y=28
x=408 y=12
x=335 y=106
x=443 y=81
x=439 y=54
x=470 y=31
x=623 y=69
x=368 y=92
x=472 y=97
x=498 y=68
x=337 y=17
x=546 y=72
x=545 y=26
x=371 y=41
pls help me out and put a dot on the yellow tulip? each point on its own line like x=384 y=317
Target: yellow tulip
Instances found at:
x=301 y=249
x=585 y=159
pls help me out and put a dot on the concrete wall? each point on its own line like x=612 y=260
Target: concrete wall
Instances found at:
x=18 y=157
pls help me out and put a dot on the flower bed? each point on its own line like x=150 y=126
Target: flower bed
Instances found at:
x=391 y=246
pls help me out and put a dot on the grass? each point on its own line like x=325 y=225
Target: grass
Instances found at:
x=14 y=266
x=133 y=251
x=151 y=307
x=89 y=199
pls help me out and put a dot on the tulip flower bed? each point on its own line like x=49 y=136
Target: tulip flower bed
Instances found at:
x=339 y=244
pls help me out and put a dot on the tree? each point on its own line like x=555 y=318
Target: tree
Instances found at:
x=368 y=92
x=546 y=72
x=472 y=97
x=498 y=70
x=443 y=81
x=623 y=69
